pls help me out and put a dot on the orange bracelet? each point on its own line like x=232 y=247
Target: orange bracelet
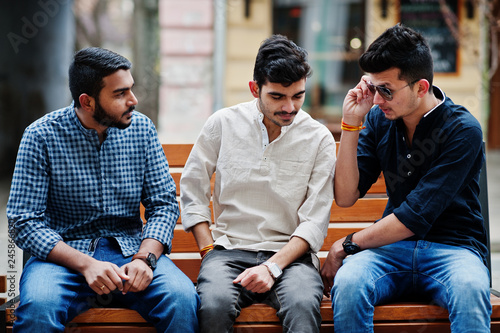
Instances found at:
x=206 y=249
x=351 y=128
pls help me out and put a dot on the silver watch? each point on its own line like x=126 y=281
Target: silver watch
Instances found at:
x=274 y=269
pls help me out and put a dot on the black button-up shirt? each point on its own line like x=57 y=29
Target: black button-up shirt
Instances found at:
x=432 y=184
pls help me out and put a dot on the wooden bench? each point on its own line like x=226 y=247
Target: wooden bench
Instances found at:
x=3 y=288
x=395 y=317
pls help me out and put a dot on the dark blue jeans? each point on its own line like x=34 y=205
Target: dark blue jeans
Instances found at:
x=454 y=278
x=52 y=295
x=296 y=295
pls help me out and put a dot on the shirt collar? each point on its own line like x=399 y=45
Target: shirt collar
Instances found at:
x=91 y=133
x=439 y=95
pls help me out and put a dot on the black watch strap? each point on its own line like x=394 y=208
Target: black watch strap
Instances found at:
x=349 y=246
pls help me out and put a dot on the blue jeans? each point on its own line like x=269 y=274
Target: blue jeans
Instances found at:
x=52 y=295
x=296 y=295
x=452 y=277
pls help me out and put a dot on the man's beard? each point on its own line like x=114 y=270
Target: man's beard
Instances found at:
x=265 y=111
x=105 y=119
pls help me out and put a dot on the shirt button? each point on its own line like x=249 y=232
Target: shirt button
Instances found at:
x=408 y=156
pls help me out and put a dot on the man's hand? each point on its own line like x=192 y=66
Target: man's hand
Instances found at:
x=332 y=264
x=357 y=102
x=104 y=277
x=257 y=279
x=140 y=275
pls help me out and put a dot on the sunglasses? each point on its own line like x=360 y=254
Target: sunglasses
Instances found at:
x=385 y=92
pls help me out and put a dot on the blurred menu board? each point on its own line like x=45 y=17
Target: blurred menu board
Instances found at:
x=428 y=18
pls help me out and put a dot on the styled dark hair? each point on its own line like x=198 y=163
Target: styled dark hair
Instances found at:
x=403 y=48
x=89 y=67
x=280 y=60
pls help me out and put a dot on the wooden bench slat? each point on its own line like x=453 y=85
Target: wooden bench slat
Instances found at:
x=3 y=283
x=109 y=315
x=258 y=328
x=190 y=267
x=111 y=329
x=379 y=186
x=365 y=210
x=184 y=242
x=177 y=154
x=335 y=234
x=176 y=176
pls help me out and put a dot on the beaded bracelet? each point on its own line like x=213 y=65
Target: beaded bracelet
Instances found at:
x=351 y=128
x=206 y=249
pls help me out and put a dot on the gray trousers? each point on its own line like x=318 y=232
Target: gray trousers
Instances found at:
x=296 y=295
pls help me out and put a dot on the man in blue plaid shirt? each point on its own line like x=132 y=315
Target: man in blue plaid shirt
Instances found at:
x=80 y=176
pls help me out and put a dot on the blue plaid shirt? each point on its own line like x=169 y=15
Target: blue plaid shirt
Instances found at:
x=69 y=187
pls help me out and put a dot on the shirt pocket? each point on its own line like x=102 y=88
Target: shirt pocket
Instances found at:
x=292 y=179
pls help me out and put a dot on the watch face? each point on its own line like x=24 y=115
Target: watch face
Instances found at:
x=275 y=270
x=152 y=260
x=351 y=248
x=348 y=249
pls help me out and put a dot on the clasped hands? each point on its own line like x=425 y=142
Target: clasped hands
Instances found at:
x=104 y=277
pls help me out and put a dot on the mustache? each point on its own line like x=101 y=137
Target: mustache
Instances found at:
x=284 y=113
x=130 y=109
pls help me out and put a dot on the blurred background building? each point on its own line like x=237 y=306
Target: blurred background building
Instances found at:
x=193 y=57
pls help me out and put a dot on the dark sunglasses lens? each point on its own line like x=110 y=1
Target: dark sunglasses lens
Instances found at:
x=385 y=93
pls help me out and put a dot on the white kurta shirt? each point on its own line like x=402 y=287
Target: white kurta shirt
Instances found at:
x=264 y=193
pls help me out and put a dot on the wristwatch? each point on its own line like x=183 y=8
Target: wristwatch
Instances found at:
x=274 y=269
x=149 y=258
x=349 y=246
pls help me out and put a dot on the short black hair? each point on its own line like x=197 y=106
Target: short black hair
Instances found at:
x=403 y=48
x=280 y=60
x=89 y=67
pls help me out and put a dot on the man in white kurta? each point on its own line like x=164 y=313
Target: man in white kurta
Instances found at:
x=272 y=198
